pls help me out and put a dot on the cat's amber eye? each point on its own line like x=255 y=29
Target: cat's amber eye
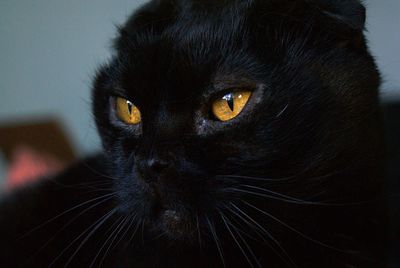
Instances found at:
x=230 y=105
x=127 y=112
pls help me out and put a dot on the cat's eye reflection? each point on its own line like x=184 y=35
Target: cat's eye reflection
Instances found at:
x=127 y=112
x=230 y=105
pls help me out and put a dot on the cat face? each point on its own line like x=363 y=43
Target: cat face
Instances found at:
x=206 y=106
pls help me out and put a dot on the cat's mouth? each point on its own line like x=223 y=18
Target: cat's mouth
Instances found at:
x=166 y=215
x=173 y=222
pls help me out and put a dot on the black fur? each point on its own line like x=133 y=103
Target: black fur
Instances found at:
x=294 y=181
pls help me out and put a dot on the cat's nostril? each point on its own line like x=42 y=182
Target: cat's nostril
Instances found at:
x=157 y=165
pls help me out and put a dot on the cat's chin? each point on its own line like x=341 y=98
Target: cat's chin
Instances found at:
x=175 y=225
x=166 y=217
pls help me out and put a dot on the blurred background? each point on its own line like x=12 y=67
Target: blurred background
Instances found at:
x=50 y=50
x=49 y=53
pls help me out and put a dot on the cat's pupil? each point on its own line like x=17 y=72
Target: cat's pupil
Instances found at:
x=129 y=107
x=229 y=100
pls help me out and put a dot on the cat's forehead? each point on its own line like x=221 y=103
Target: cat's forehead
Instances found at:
x=187 y=59
x=181 y=54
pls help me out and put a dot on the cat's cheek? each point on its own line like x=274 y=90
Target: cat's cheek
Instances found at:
x=128 y=146
x=201 y=125
x=133 y=196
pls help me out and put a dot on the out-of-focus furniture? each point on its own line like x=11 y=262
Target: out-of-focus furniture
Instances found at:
x=32 y=149
x=44 y=136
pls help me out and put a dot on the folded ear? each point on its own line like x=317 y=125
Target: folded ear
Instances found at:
x=348 y=12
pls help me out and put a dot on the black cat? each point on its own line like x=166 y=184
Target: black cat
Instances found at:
x=236 y=133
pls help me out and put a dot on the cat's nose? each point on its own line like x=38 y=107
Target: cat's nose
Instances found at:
x=157 y=166
x=152 y=169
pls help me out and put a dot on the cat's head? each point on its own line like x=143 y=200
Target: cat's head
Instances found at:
x=207 y=106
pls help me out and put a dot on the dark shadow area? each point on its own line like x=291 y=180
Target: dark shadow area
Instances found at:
x=392 y=121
